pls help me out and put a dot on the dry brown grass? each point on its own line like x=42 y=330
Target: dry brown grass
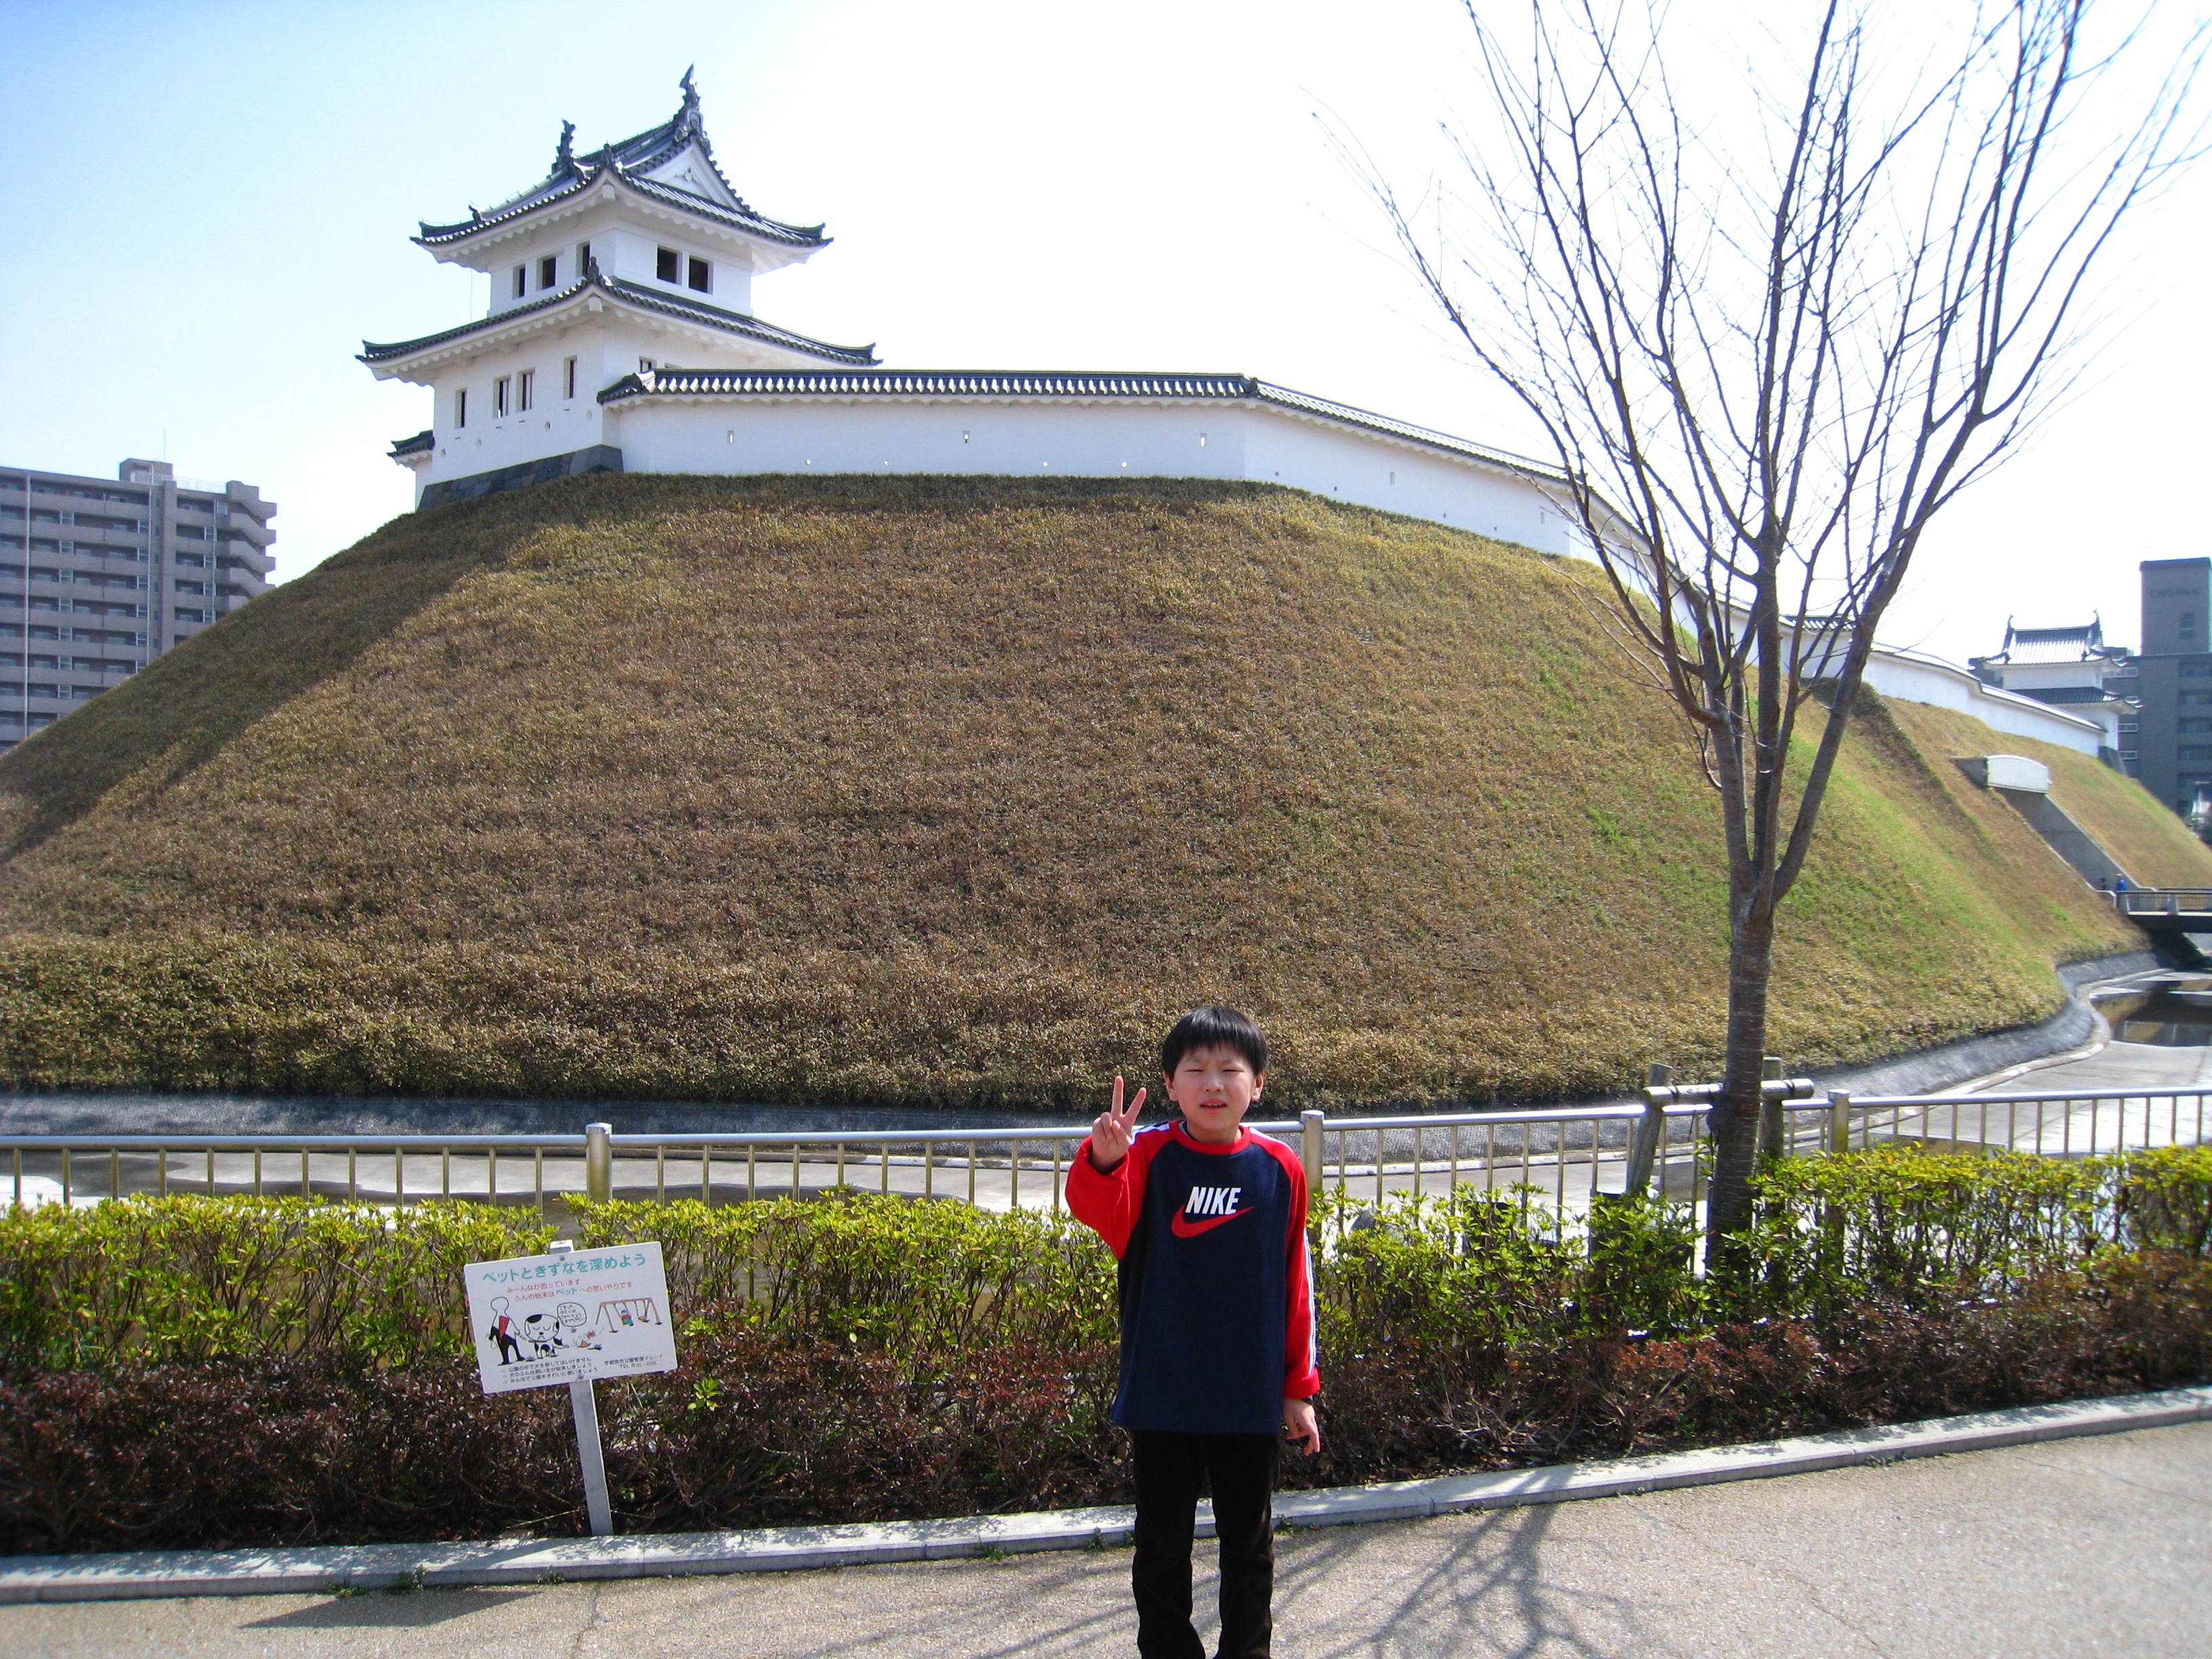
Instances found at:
x=951 y=791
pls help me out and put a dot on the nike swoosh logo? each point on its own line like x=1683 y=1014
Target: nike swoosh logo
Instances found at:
x=1187 y=1226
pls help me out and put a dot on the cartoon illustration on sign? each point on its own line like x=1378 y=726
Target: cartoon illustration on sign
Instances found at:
x=633 y=1311
x=569 y=1316
x=503 y=1333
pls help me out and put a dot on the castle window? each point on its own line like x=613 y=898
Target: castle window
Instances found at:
x=460 y=408
x=702 y=275
x=568 y=377
x=500 y=389
x=2189 y=621
x=525 y=386
x=547 y=269
x=521 y=281
x=668 y=264
x=583 y=257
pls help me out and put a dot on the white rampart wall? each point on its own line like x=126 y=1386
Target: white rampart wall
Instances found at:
x=1912 y=678
x=1084 y=440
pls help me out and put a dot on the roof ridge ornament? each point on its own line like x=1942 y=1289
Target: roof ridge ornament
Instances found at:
x=687 y=116
x=564 y=155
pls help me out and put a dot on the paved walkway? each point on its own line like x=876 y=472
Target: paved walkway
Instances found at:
x=2092 y=1548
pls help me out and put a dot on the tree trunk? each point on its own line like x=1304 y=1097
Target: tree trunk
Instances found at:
x=1734 y=1118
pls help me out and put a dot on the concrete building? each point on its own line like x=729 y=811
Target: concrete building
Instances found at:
x=98 y=576
x=2173 y=683
x=2072 y=668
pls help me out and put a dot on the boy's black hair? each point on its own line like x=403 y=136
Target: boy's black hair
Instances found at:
x=1214 y=1028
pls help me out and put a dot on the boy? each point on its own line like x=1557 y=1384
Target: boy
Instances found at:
x=1208 y=1221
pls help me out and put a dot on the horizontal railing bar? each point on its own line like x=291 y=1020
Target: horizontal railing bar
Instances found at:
x=138 y=1143
x=632 y=1143
x=2079 y=1097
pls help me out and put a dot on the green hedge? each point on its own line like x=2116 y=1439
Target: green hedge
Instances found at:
x=918 y=1281
x=1898 y=1223
x=148 y=1280
x=184 y=1278
x=188 y=1371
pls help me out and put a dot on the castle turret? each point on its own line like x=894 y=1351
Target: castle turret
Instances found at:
x=634 y=256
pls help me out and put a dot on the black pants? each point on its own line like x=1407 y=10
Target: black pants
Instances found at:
x=1240 y=1468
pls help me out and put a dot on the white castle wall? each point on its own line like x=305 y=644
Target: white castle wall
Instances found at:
x=1082 y=441
x=1912 y=677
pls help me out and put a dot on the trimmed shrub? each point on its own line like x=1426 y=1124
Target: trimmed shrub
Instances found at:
x=921 y=1281
x=194 y=1371
x=154 y=1279
x=1900 y=1224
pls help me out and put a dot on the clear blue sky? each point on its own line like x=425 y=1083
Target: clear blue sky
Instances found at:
x=205 y=208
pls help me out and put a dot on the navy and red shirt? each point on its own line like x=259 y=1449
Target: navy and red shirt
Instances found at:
x=1216 y=1283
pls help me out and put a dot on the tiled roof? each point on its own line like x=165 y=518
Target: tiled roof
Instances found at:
x=736 y=322
x=2052 y=650
x=634 y=293
x=2085 y=643
x=626 y=163
x=420 y=444
x=1026 y=385
x=753 y=223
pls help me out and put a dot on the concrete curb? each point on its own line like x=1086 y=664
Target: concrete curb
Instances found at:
x=25 y=1578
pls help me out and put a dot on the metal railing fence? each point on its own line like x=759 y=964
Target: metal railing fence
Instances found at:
x=1563 y=1154
x=2163 y=901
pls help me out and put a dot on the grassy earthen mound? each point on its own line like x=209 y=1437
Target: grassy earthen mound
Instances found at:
x=957 y=791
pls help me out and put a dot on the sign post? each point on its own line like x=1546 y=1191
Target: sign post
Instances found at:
x=571 y=1317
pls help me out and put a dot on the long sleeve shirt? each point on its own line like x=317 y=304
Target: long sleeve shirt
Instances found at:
x=1215 y=1281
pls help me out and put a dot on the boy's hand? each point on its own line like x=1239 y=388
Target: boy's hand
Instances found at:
x=1112 y=1131
x=1302 y=1426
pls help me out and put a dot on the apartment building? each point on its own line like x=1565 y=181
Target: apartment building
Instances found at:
x=2175 y=689
x=98 y=576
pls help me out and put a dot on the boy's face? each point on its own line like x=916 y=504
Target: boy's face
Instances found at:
x=1215 y=1087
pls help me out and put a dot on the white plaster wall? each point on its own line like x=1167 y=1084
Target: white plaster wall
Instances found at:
x=1912 y=678
x=1098 y=441
x=554 y=426
x=1349 y=466
x=2043 y=676
x=624 y=248
x=1085 y=440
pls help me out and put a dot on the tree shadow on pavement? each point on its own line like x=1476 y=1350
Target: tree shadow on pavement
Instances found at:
x=1487 y=1591
x=388 y=1610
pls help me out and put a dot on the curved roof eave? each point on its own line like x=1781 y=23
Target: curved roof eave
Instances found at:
x=506 y=217
x=378 y=354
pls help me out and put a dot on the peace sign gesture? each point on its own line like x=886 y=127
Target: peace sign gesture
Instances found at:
x=1112 y=1131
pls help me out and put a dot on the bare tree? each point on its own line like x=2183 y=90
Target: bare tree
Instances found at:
x=1767 y=356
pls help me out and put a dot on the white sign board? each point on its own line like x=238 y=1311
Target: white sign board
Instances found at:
x=539 y=1320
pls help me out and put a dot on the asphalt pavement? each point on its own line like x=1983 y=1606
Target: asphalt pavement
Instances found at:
x=2095 y=1547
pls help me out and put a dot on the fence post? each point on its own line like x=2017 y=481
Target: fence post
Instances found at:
x=1643 y=1150
x=1310 y=1127
x=1773 y=1137
x=1839 y=1121
x=599 y=1161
